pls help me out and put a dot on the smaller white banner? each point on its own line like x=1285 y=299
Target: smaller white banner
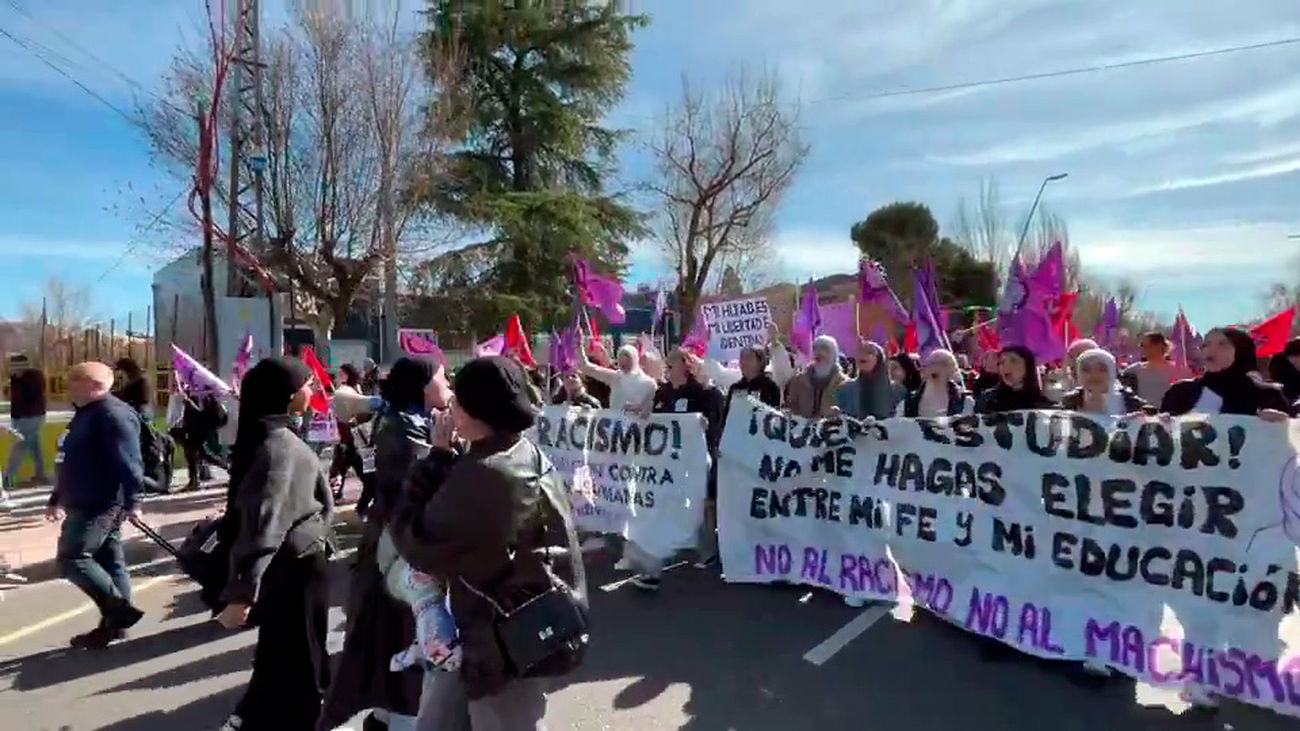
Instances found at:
x=734 y=325
x=641 y=478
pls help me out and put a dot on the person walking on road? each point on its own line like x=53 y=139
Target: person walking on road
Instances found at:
x=27 y=416
x=99 y=476
x=283 y=513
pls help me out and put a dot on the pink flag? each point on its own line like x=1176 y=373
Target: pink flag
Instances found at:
x=697 y=340
x=193 y=377
x=603 y=293
x=419 y=345
x=491 y=346
x=840 y=321
x=243 y=358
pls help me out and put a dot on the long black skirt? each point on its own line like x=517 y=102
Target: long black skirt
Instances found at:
x=291 y=663
x=378 y=627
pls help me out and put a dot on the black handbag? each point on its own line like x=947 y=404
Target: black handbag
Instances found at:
x=547 y=635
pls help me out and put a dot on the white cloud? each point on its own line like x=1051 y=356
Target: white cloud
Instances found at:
x=1264 y=109
x=1172 y=252
x=12 y=246
x=805 y=253
x=1268 y=170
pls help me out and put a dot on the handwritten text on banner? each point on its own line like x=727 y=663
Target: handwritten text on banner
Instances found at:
x=734 y=325
x=1155 y=547
x=642 y=478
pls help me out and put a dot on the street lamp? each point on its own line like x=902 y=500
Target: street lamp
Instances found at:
x=1025 y=231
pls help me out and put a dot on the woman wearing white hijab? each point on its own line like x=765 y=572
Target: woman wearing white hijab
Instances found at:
x=630 y=389
x=1099 y=390
x=940 y=393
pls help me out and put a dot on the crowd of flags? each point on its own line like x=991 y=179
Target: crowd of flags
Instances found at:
x=1035 y=311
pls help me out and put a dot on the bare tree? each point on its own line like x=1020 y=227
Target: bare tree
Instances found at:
x=723 y=163
x=981 y=228
x=64 y=310
x=342 y=118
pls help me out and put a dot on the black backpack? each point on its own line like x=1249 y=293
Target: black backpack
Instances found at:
x=156 y=451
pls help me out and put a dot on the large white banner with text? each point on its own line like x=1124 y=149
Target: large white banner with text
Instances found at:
x=1166 y=549
x=642 y=478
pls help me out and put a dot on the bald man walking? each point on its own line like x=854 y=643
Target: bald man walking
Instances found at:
x=99 y=475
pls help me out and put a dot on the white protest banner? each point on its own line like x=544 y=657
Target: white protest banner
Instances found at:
x=323 y=428
x=642 y=478
x=1159 y=548
x=734 y=325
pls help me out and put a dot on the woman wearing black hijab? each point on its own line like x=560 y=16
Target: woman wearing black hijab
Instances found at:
x=379 y=626
x=1020 y=387
x=483 y=531
x=1230 y=384
x=282 y=512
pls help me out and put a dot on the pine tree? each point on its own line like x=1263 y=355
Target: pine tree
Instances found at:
x=533 y=157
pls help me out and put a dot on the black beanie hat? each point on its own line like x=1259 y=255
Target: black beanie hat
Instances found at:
x=495 y=391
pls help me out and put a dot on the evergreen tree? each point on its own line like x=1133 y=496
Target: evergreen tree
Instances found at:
x=533 y=157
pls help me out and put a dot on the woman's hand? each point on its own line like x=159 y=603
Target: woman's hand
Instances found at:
x=444 y=432
x=1272 y=415
x=234 y=616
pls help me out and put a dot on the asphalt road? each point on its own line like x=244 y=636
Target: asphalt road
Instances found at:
x=700 y=655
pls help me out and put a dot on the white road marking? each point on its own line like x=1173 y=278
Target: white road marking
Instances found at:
x=616 y=585
x=820 y=654
x=48 y=622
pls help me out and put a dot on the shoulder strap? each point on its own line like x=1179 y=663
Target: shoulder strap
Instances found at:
x=561 y=506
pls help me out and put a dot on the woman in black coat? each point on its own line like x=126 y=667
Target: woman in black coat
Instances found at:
x=1230 y=384
x=1021 y=386
x=282 y=516
x=378 y=625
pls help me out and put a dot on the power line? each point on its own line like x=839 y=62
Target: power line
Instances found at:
x=1059 y=73
x=102 y=64
x=26 y=46
x=131 y=245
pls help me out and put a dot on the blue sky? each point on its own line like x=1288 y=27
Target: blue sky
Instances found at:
x=1184 y=176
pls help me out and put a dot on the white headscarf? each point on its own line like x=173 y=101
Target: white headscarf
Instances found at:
x=825 y=341
x=1114 y=396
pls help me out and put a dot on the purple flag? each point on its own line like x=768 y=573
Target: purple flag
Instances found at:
x=491 y=346
x=1028 y=303
x=564 y=349
x=840 y=321
x=1107 y=332
x=193 y=377
x=603 y=293
x=418 y=345
x=930 y=335
x=875 y=290
x=807 y=321
x=1049 y=276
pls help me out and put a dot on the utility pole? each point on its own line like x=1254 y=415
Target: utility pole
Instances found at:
x=247 y=150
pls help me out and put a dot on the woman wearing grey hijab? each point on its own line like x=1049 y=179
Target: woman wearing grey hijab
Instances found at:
x=870 y=394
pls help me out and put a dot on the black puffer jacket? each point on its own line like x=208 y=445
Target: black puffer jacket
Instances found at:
x=401 y=439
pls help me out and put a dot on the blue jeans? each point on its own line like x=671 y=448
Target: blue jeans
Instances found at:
x=30 y=431
x=90 y=557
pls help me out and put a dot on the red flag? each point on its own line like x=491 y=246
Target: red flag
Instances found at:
x=988 y=337
x=910 y=343
x=319 y=400
x=517 y=343
x=595 y=337
x=1271 y=335
x=1063 y=317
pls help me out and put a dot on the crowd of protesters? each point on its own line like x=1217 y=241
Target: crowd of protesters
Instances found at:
x=457 y=494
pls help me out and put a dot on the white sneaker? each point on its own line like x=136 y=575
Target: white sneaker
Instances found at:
x=856 y=602
x=624 y=564
x=234 y=723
